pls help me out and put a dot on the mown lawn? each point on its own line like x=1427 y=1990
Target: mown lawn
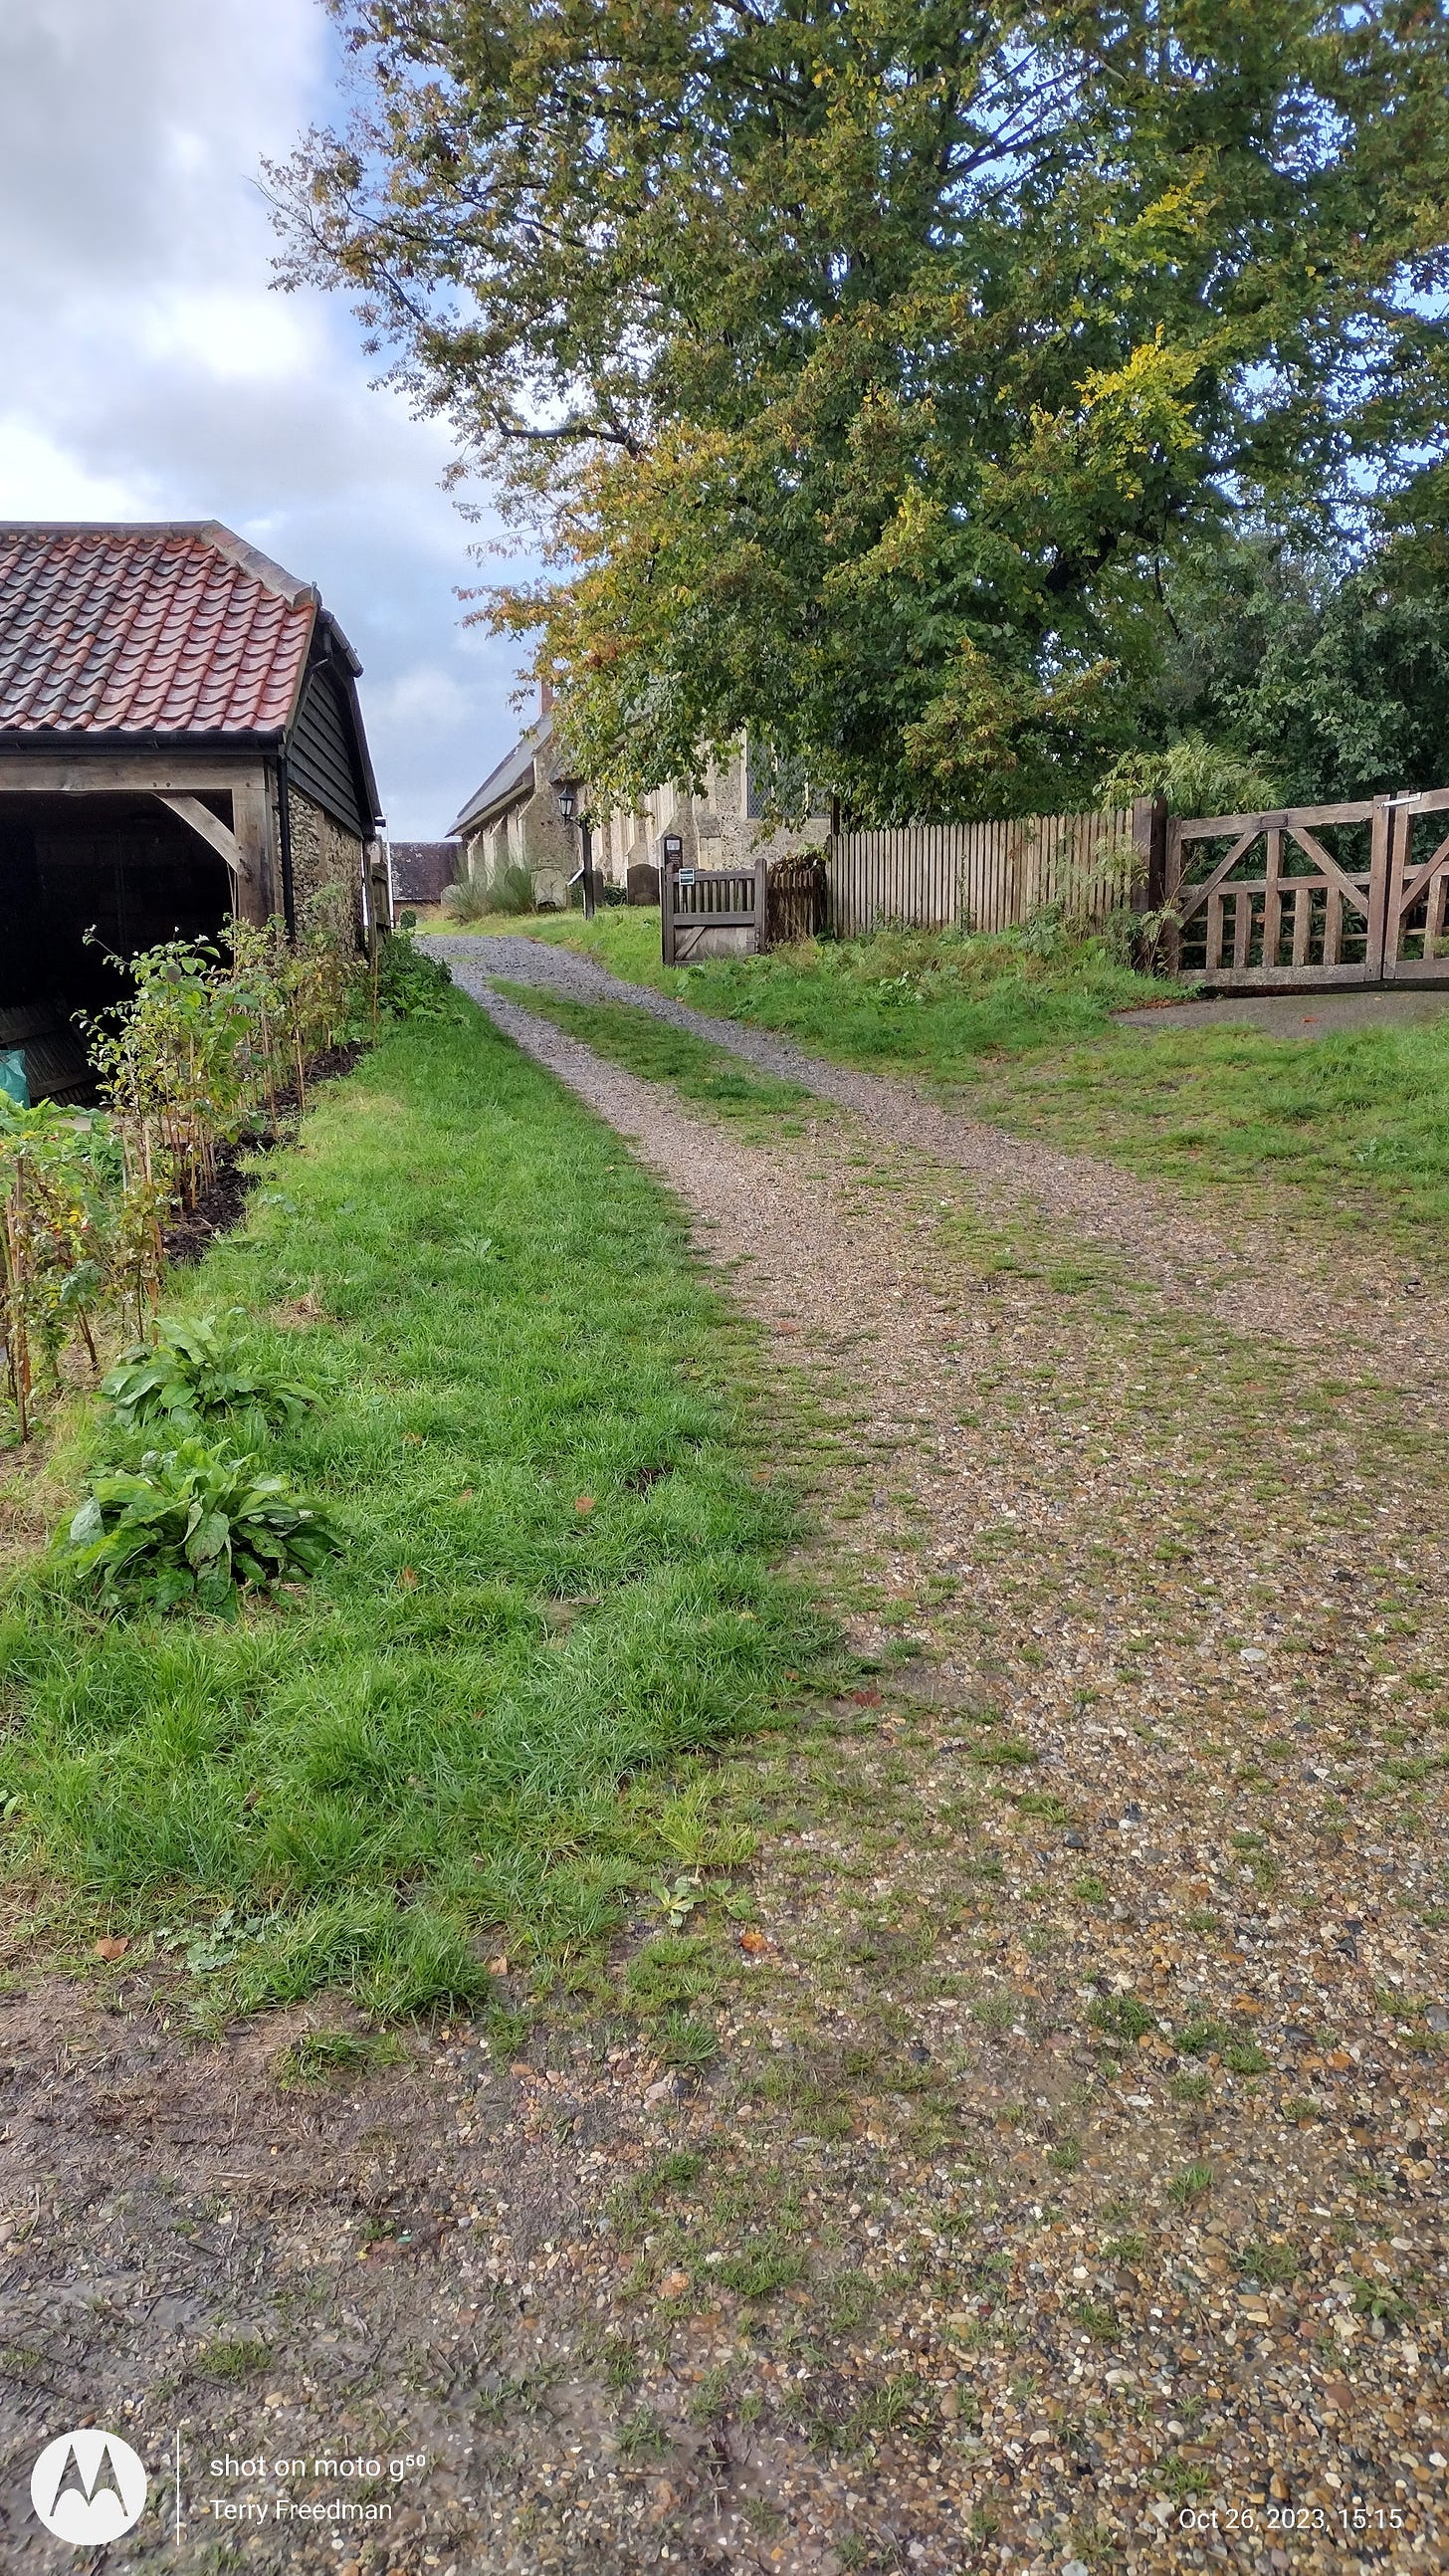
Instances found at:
x=1352 y=1127
x=487 y=1722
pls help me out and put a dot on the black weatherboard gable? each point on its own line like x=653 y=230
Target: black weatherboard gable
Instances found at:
x=326 y=748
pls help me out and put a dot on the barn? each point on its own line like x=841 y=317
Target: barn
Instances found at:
x=180 y=740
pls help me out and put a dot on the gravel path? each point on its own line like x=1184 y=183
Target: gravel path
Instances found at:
x=1067 y=2194
x=1096 y=2043
x=1248 y=1274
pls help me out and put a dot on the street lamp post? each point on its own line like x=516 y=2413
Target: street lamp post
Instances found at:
x=567 y=801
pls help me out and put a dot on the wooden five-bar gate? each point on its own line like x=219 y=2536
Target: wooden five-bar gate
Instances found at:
x=1311 y=894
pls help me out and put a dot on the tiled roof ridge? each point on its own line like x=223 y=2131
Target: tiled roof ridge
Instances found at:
x=210 y=532
x=127 y=626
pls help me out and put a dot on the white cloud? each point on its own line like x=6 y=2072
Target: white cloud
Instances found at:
x=54 y=483
x=151 y=371
x=429 y=699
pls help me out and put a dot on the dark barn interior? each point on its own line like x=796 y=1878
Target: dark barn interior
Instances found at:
x=85 y=879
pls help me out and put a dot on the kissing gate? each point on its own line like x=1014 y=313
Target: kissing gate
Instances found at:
x=1314 y=894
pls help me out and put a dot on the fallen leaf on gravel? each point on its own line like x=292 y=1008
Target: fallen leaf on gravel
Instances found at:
x=112 y=1948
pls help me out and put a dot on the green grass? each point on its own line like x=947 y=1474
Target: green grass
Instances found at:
x=1353 y=1123
x=927 y=1002
x=556 y=1592
x=660 y=1053
x=1018 y=1028
x=623 y=937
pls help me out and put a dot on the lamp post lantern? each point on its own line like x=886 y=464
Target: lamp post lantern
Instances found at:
x=568 y=803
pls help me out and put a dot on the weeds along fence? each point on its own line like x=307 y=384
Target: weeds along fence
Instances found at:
x=988 y=876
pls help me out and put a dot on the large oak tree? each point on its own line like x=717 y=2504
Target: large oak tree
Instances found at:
x=870 y=362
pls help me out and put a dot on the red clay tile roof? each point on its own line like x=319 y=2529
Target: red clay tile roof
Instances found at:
x=175 y=629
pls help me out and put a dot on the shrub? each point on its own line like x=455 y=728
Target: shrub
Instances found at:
x=193 y=1524
x=511 y=891
x=192 y=1370
x=465 y=901
x=411 y=986
x=1196 y=777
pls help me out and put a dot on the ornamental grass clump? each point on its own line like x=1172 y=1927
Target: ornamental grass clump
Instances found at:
x=194 y=1524
x=195 y=1369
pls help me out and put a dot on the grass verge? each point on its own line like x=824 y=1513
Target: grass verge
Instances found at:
x=923 y=1001
x=1353 y=1125
x=557 y=1591
x=659 y=1053
x=1350 y=1126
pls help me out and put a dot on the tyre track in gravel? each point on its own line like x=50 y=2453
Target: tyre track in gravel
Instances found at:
x=1229 y=2031
x=1250 y=1275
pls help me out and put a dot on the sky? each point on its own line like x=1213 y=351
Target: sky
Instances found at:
x=151 y=371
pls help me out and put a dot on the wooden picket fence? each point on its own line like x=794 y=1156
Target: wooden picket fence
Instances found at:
x=987 y=876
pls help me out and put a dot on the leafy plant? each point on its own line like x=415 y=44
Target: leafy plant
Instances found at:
x=59 y=1236
x=194 y=1369
x=761 y=2268
x=678 y=1902
x=1264 y=2262
x=1099 y=2320
x=193 y=1523
x=687 y=2044
x=411 y=986
x=1380 y=2303
x=1196 y=777
x=643 y=2436
x=1191 y=2185
x=232 y=2357
x=1123 y=2017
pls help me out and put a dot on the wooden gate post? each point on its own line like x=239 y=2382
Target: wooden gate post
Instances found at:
x=1381 y=909
x=1149 y=840
x=1149 y=893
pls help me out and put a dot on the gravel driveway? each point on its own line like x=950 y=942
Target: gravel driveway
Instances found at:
x=1068 y=2190
x=1247 y=1274
x=1121 y=1954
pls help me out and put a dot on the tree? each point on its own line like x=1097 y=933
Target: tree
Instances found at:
x=1361 y=706
x=1326 y=673
x=869 y=364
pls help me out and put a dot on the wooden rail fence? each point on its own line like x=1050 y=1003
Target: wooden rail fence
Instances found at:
x=1308 y=895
